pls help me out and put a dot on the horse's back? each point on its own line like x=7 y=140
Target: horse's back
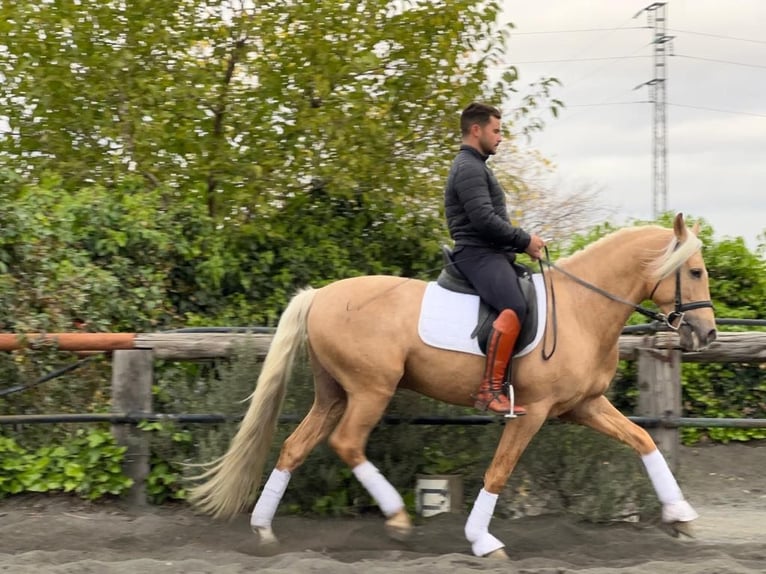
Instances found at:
x=365 y=316
x=369 y=293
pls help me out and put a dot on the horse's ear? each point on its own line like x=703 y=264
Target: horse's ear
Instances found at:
x=679 y=227
x=696 y=228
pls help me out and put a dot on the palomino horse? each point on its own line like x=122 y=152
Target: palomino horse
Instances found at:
x=363 y=345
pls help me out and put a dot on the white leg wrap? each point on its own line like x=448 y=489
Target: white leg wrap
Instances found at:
x=477 y=525
x=272 y=493
x=674 y=507
x=680 y=511
x=389 y=501
x=662 y=479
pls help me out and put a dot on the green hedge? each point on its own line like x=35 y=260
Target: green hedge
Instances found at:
x=88 y=463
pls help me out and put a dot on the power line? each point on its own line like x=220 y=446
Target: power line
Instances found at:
x=719 y=61
x=577 y=30
x=581 y=59
x=605 y=102
x=606 y=32
x=599 y=39
x=615 y=28
x=633 y=57
x=608 y=104
x=721 y=36
x=632 y=102
x=754 y=114
x=600 y=68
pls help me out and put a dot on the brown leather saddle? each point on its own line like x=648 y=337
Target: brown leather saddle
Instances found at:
x=452 y=279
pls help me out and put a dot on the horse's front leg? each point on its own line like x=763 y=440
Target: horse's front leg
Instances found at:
x=601 y=415
x=515 y=438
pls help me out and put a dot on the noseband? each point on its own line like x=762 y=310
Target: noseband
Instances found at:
x=680 y=308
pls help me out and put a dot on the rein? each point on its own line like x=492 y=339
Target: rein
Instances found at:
x=673 y=321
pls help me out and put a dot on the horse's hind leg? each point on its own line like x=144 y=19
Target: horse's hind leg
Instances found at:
x=601 y=415
x=349 y=440
x=329 y=403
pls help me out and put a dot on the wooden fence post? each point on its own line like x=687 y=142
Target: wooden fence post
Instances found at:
x=659 y=384
x=132 y=375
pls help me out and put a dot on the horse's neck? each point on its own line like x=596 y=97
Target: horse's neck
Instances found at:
x=616 y=265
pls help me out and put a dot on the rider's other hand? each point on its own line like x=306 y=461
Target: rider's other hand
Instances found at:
x=535 y=247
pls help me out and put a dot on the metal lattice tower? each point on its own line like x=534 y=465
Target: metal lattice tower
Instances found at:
x=657 y=16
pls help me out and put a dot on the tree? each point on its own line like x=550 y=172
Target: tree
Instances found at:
x=244 y=106
x=315 y=135
x=535 y=205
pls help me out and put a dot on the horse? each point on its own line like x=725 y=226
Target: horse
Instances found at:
x=363 y=344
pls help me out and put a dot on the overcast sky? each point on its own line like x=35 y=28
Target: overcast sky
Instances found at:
x=716 y=160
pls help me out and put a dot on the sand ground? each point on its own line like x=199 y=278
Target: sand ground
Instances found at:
x=725 y=483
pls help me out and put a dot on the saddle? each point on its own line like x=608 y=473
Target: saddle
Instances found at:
x=452 y=279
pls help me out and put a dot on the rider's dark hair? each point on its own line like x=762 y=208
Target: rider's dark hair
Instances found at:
x=477 y=113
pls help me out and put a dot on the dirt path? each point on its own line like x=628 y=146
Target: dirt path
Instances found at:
x=726 y=484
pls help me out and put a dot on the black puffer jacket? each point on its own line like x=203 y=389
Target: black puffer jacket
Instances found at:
x=475 y=205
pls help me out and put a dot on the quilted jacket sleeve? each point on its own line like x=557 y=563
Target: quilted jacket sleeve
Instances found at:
x=472 y=185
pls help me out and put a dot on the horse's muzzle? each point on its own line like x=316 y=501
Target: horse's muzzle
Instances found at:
x=695 y=337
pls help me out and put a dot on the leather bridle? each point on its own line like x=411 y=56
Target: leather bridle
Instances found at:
x=674 y=320
x=680 y=308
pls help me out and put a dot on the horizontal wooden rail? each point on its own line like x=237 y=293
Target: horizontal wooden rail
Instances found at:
x=191 y=346
x=657 y=355
x=69 y=341
x=744 y=347
x=180 y=346
x=739 y=347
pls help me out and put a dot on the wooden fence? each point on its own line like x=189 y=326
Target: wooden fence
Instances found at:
x=659 y=382
x=659 y=376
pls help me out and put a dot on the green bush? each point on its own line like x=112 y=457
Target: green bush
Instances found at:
x=122 y=259
x=577 y=471
x=165 y=480
x=89 y=464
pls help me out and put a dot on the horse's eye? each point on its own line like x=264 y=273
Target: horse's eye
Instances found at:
x=696 y=273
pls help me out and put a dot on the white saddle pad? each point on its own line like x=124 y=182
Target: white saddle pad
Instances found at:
x=447 y=319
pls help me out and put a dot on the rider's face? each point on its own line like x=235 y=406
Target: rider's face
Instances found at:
x=490 y=137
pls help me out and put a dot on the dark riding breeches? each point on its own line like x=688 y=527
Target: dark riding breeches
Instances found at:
x=491 y=274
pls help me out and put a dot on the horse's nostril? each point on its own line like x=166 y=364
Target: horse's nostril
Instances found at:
x=711 y=336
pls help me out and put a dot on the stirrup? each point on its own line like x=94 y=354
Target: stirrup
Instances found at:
x=483 y=405
x=512 y=399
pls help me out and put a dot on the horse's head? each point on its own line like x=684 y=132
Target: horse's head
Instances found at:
x=682 y=291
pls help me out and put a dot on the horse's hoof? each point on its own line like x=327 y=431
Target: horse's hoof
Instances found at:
x=498 y=554
x=683 y=529
x=399 y=526
x=680 y=511
x=266 y=538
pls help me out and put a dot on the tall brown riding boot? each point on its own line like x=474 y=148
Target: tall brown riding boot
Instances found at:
x=505 y=331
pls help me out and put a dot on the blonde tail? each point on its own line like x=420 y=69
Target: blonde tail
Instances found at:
x=232 y=481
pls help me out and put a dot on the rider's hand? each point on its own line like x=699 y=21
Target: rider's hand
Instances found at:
x=535 y=247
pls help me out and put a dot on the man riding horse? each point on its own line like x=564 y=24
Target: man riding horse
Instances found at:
x=486 y=244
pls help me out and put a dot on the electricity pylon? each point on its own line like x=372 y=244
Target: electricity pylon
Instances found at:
x=657 y=16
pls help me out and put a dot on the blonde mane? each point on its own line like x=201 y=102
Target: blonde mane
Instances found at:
x=674 y=255
x=658 y=262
